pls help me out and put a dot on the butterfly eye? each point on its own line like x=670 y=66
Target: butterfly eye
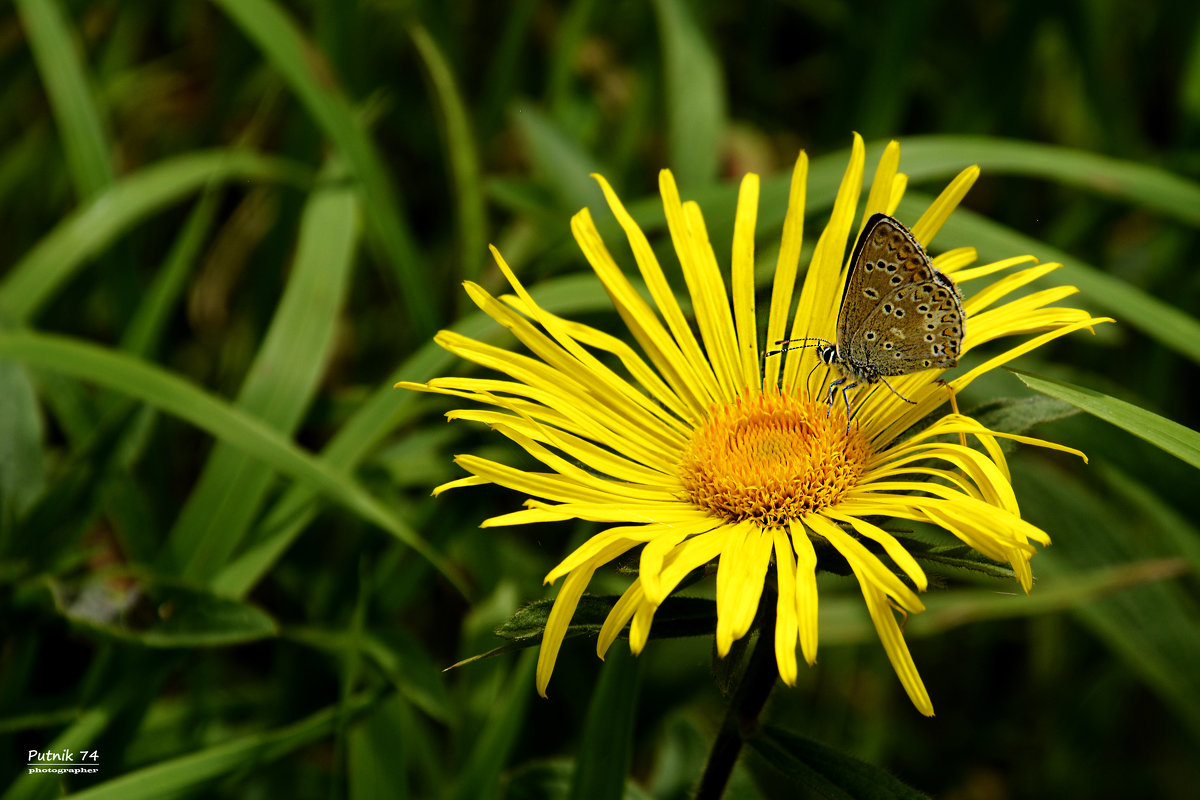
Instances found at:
x=871 y=294
x=868 y=266
x=887 y=308
x=899 y=312
x=925 y=363
x=896 y=279
x=929 y=337
x=923 y=308
x=869 y=336
x=891 y=267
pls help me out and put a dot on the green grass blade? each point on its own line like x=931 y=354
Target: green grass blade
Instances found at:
x=606 y=748
x=163 y=390
x=932 y=157
x=695 y=96
x=22 y=462
x=302 y=66
x=61 y=64
x=461 y=152
x=1098 y=292
x=193 y=772
x=559 y=162
x=1176 y=439
x=480 y=775
x=144 y=330
x=567 y=44
x=83 y=732
x=278 y=387
x=35 y=279
x=824 y=771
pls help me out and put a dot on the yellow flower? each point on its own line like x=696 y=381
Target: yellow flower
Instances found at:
x=699 y=449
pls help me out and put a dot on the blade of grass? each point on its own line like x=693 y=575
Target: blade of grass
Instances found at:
x=61 y=64
x=480 y=774
x=1176 y=439
x=607 y=745
x=278 y=387
x=190 y=773
x=35 y=279
x=567 y=43
x=83 y=731
x=558 y=160
x=932 y=157
x=168 y=392
x=695 y=96
x=144 y=330
x=306 y=71
x=22 y=462
x=461 y=153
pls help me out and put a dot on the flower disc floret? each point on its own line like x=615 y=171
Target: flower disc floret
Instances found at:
x=771 y=458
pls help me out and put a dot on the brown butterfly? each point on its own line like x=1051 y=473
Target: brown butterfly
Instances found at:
x=899 y=315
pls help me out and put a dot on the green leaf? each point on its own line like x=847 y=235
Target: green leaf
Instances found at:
x=84 y=731
x=1148 y=627
x=22 y=464
x=377 y=753
x=1019 y=415
x=676 y=617
x=480 y=774
x=61 y=65
x=461 y=151
x=695 y=96
x=1179 y=441
x=158 y=613
x=308 y=74
x=279 y=386
x=825 y=771
x=558 y=161
x=397 y=655
x=933 y=157
x=197 y=771
x=551 y=780
x=86 y=232
x=145 y=328
x=176 y=396
x=954 y=558
x=606 y=747
x=48 y=534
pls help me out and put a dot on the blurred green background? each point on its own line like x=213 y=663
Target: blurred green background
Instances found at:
x=229 y=227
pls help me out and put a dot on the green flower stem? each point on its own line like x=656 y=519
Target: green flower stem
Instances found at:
x=749 y=698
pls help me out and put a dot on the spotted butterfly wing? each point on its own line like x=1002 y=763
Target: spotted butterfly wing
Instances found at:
x=899 y=315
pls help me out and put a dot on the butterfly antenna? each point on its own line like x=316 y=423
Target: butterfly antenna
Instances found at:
x=787 y=345
x=902 y=397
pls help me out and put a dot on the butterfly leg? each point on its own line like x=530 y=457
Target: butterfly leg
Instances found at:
x=846 y=400
x=833 y=387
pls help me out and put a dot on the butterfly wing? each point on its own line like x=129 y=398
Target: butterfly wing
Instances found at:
x=899 y=315
x=917 y=326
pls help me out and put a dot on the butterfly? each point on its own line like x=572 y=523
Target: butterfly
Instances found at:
x=898 y=316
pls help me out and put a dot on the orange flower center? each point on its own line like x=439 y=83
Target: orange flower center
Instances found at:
x=771 y=458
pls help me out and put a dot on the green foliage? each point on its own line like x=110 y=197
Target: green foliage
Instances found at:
x=229 y=228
